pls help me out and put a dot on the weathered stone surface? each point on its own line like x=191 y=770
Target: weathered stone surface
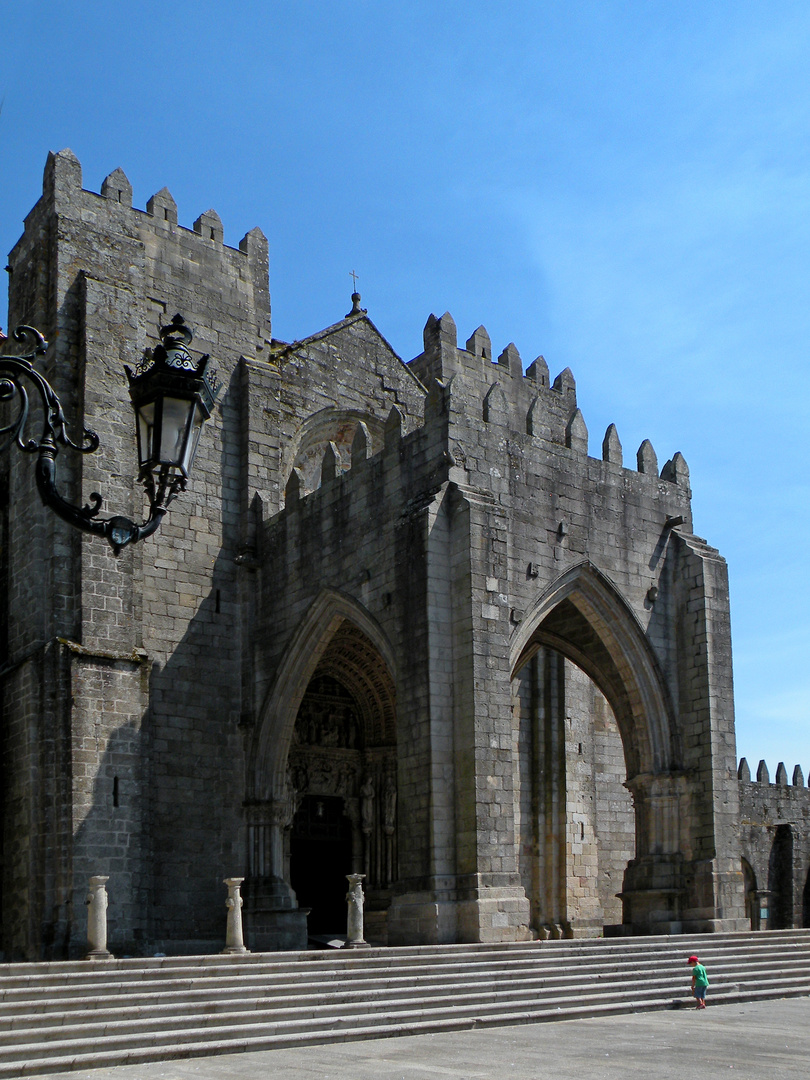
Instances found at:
x=401 y=624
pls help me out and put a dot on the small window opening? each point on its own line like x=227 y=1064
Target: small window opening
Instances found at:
x=116 y=791
x=582 y=830
x=216 y=601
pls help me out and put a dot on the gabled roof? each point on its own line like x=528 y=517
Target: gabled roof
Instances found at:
x=281 y=351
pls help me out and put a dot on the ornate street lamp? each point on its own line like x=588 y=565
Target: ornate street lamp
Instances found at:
x=172 y=395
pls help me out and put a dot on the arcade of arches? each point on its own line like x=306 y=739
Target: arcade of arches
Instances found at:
x=574 y=821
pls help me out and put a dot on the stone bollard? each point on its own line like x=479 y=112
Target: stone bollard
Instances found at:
x=354 y=918
x=97 y=920
x=234 y=941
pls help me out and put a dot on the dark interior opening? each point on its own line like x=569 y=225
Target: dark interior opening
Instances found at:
x=320 y=859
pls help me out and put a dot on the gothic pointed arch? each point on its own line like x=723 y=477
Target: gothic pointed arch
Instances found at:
x=582 y=616
x=330 y=614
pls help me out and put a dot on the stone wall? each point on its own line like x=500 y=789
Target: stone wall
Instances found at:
x=439 y=529
x=153 y=637
x=775 y=843
x=574 y=816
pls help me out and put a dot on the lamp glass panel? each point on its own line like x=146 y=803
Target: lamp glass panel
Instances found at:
x=146 y=432
x=173 y=430
x=191 y=449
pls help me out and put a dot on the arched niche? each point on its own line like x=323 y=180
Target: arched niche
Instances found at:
x=336 y=426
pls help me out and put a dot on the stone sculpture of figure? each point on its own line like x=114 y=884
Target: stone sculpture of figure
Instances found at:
x=350 y=725
x=367 y=805
x=291 y=800
x=330 y=732
x=345 y=781
x=389 y=804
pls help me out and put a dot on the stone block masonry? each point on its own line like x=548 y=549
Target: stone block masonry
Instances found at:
x=775 y=842
x=401 y=624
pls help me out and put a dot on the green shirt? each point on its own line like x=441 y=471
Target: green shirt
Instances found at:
x=699 y=975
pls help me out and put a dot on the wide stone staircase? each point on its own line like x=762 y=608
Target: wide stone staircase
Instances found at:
x=55 y=1017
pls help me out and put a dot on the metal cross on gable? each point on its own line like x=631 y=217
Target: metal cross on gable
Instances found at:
x=353 y=276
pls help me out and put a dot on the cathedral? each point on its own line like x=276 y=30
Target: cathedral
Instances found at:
x=400 y=623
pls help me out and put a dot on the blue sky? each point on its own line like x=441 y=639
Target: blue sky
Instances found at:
x=622 y=187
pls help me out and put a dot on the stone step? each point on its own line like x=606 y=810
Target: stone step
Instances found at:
x=126 y=1034
x=29 y=1063
x=347 y=1007
x=235 y=991
x=404 y=955
x=265 y=965
x=107 y=1013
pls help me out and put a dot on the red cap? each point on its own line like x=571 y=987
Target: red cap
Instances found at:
x=692 y=960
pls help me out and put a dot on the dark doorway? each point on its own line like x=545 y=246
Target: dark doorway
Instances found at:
x=320 y=859
x=751 y=898
x=780 y=879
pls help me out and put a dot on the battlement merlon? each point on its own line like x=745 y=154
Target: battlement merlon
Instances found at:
x=497 y=395
x=167 y=266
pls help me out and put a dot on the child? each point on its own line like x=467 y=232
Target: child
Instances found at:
x=700 y=980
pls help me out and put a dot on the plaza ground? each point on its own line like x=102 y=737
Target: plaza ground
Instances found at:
x=763 y=1041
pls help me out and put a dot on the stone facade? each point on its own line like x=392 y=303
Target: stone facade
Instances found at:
x=401 y=624
x=775 y=839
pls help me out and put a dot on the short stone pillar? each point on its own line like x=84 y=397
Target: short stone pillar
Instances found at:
x=234 y=939
x=97 y=920
x=354 y=918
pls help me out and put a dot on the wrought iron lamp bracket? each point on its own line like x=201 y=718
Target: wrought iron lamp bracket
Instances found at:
x=18 y=379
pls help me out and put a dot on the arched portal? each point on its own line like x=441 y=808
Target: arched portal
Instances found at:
x=324 y=801
x=584 y=620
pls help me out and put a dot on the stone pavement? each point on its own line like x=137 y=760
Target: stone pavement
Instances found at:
x=762 y=1041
